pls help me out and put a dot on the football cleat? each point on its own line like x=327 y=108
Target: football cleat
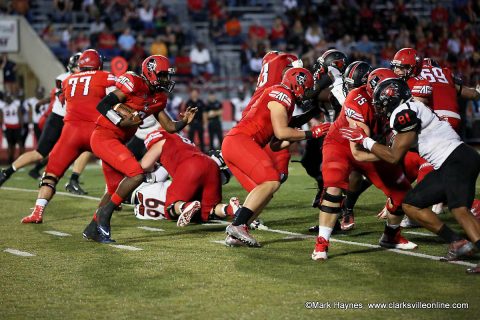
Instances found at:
x=34 y=174
x=313 y=229
x=409 y=223
x=233 y=242
x=348 y=221
x=258 y=224
x=3 y=177
x=241 y=233
x=321 y=249
x=188 y=211
x=103 y=228
x=91 y=232
x=396 y=242
x=474 y=270
x=74 y=187
x=36 y=216
x=457 y=249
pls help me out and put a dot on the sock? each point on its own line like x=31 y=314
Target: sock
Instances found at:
x=448 y=234
x=391 y=229
x=41 y=202
x=74 y=176
x=9 y=171
x=352 y=196
x=324 y=232
x=116 y=199
x=477 y=244
x=243 y=215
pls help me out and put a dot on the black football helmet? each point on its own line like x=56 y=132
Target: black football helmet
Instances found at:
x=330 y=58
x=73 y=62
x=355 y=75
x=389 y=94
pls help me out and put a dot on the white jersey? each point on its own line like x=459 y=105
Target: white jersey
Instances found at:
x=148 y=125
x=29 y=105
x=240 y=105
x=436 y=138
x=149 y=200
x=58 y=107
x=11 y=111
x=337 y=86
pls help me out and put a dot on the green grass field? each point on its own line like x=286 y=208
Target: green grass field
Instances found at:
x=182 y=273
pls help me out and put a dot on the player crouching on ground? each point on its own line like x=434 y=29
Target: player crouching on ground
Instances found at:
x=456 y=164
x=196 y=182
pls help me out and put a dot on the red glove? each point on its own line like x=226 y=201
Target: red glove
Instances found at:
x=320 y=130
x=356 y=135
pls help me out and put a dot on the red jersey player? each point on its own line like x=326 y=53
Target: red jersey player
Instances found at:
x=147 y=94
x=196 y=183
x=341 y=157
x=82 y=91
x=243 y=147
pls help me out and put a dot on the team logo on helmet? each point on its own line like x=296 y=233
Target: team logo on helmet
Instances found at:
x=392 y=91
x=301 y=78
x=152 y=65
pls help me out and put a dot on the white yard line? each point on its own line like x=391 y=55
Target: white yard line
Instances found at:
x=150 y=229
x=19 y=253
x=123 y=247
x=426 y=234
x=60 y=193
x=58 y=233
x=293 y=234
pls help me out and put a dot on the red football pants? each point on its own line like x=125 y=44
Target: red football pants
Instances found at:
x=248 y=161
x=197 y=178
x=74 y=140
x=415 y=167
x=338 y=163
x=117 y=160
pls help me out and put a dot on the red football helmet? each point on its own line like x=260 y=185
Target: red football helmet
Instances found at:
x=298 y=80
x=377 y=76
x=90 y=60
x=156 y=69
x=270 y=55
x=407 y=59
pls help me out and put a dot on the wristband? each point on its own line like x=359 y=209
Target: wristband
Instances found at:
x=308 y=135
x=113 y=116
x=179 y=125
x=368 y=143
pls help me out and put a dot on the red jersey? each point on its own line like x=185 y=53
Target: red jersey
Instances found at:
x=175 y=150
x=257 y=122
x=444 y=93
x=83 y=91
x=270 y=75
x=357 y=106
x=139 y=97
x=420 y=87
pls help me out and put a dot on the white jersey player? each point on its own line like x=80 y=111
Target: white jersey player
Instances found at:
x=456 y=164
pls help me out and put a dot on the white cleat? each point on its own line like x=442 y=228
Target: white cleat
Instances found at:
x=321 y=249
x=438 y=208
x=409 y=223
x=188 y=211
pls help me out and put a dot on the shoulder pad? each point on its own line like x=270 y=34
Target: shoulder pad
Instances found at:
x=405 y=121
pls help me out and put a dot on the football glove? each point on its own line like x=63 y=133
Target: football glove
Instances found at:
x=356 y=135
x=320 y=130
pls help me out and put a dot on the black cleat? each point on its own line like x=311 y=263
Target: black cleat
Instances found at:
x=34 y=174
x=74 y=187
x=91 y=232
x=3 y=177
x=103 y=227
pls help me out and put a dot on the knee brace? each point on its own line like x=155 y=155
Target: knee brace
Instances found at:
x=331 y=198
x=47 y=182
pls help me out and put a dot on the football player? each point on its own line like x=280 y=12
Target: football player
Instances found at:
x=51 y=131
x=340 y=157
x=243 y=147
x=196 y=180
x=82 y=91
x=456 y=164
x=146 y=94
